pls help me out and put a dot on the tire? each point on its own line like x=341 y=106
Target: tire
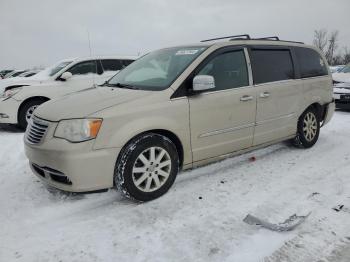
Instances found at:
x=143 y=176
x=308 y=128
x=26 y=110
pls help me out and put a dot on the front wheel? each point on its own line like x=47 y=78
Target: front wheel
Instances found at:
x=147 y=167
x=308 y=128
x=26 y=112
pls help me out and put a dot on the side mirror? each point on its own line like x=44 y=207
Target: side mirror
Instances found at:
x=66 y=75
x=203 y=82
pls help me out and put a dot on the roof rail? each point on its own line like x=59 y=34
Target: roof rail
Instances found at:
x=247 y=37
x=268 y=38
x=233 y=37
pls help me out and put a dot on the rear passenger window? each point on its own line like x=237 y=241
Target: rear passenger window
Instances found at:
x=310 y=62
x=111 y=65
x=270 y=65
x=228 y=69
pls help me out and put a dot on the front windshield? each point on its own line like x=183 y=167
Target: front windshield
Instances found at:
x=52 y=70
x=59 y=67
x=346 y=69
x=157 y=70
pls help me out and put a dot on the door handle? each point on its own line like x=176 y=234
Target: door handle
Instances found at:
x=265 y=95
x=246 y=98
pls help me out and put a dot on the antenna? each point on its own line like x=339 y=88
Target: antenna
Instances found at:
x=90 y=51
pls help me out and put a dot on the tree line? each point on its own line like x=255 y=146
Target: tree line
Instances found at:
x=328 y=43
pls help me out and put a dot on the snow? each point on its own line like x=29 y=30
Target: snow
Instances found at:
x=199 y=219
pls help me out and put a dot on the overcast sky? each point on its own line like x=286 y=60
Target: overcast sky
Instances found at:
x=41 y=32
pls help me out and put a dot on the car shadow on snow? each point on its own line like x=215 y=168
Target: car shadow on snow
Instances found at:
x=10 y=128
x=59 y=195
x=235 y=162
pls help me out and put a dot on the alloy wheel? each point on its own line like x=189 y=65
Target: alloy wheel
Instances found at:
x=310 y=126
x=151 y=169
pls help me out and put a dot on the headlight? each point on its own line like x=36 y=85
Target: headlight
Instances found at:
x=10 y=92
x=78 y=130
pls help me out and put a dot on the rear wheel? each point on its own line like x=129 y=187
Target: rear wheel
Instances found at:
x=308 y=128
x=147 y=167
x=26 y=112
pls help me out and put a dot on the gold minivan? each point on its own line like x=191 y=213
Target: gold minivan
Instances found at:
x=178 y=108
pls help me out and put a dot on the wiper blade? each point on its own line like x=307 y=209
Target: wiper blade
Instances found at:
x=120 y=85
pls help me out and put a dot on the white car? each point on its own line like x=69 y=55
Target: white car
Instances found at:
x=342 y=76
x=336 y=69
x=341 y=88
x=14 y=73
x=20 y=97
x=29 y=73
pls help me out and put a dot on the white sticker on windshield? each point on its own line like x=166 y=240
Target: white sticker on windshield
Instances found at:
x=187 y=52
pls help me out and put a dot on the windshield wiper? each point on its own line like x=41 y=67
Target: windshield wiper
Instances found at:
x=120 y=85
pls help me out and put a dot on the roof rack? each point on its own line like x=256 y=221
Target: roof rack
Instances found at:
x=247 y=37
x=232 y=37
x=268 y=38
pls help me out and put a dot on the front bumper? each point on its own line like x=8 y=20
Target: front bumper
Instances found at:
x=73 y=167
x=8 y=110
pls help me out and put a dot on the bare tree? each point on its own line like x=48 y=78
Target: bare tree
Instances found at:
x=332 y=46
x=346 y=56
x=321 y=39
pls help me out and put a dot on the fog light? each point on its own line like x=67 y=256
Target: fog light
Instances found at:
x=4 y=115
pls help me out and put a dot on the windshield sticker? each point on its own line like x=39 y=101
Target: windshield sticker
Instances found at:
x=187 y=52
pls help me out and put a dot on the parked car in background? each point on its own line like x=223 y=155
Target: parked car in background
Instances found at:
x=177 y=108
x=29 y=73
x=337 y=68
x=14 y=73
x=343 y=76
x=19 y=98
x=341 y=84
x=4 y=72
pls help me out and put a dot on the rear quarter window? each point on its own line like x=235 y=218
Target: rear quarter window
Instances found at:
x=271 y=65
x=310 y=62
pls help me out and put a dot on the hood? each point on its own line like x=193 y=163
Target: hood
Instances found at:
x=86 y=102
x=19 y=81
x=341 y=77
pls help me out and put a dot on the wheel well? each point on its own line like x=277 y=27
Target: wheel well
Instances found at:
x=320 y=110
x=41 y=98
x=174 y=138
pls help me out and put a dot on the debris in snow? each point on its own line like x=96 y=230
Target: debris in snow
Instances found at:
x=252 y=159
x=288 y=225
x=314 y=194
x=200 y=197
x=222 y=182
x=341 y=208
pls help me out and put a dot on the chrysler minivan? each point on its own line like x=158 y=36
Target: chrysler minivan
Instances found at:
x=179 y=108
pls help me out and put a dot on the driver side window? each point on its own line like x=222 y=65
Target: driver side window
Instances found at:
x=83 y=68
x=229 y=70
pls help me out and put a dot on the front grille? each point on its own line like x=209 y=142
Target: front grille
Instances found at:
x=36 y=130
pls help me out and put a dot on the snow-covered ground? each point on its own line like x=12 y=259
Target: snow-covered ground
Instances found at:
x=199 y=219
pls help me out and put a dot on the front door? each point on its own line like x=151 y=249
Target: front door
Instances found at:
x=84 y=75
x=222 y=119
